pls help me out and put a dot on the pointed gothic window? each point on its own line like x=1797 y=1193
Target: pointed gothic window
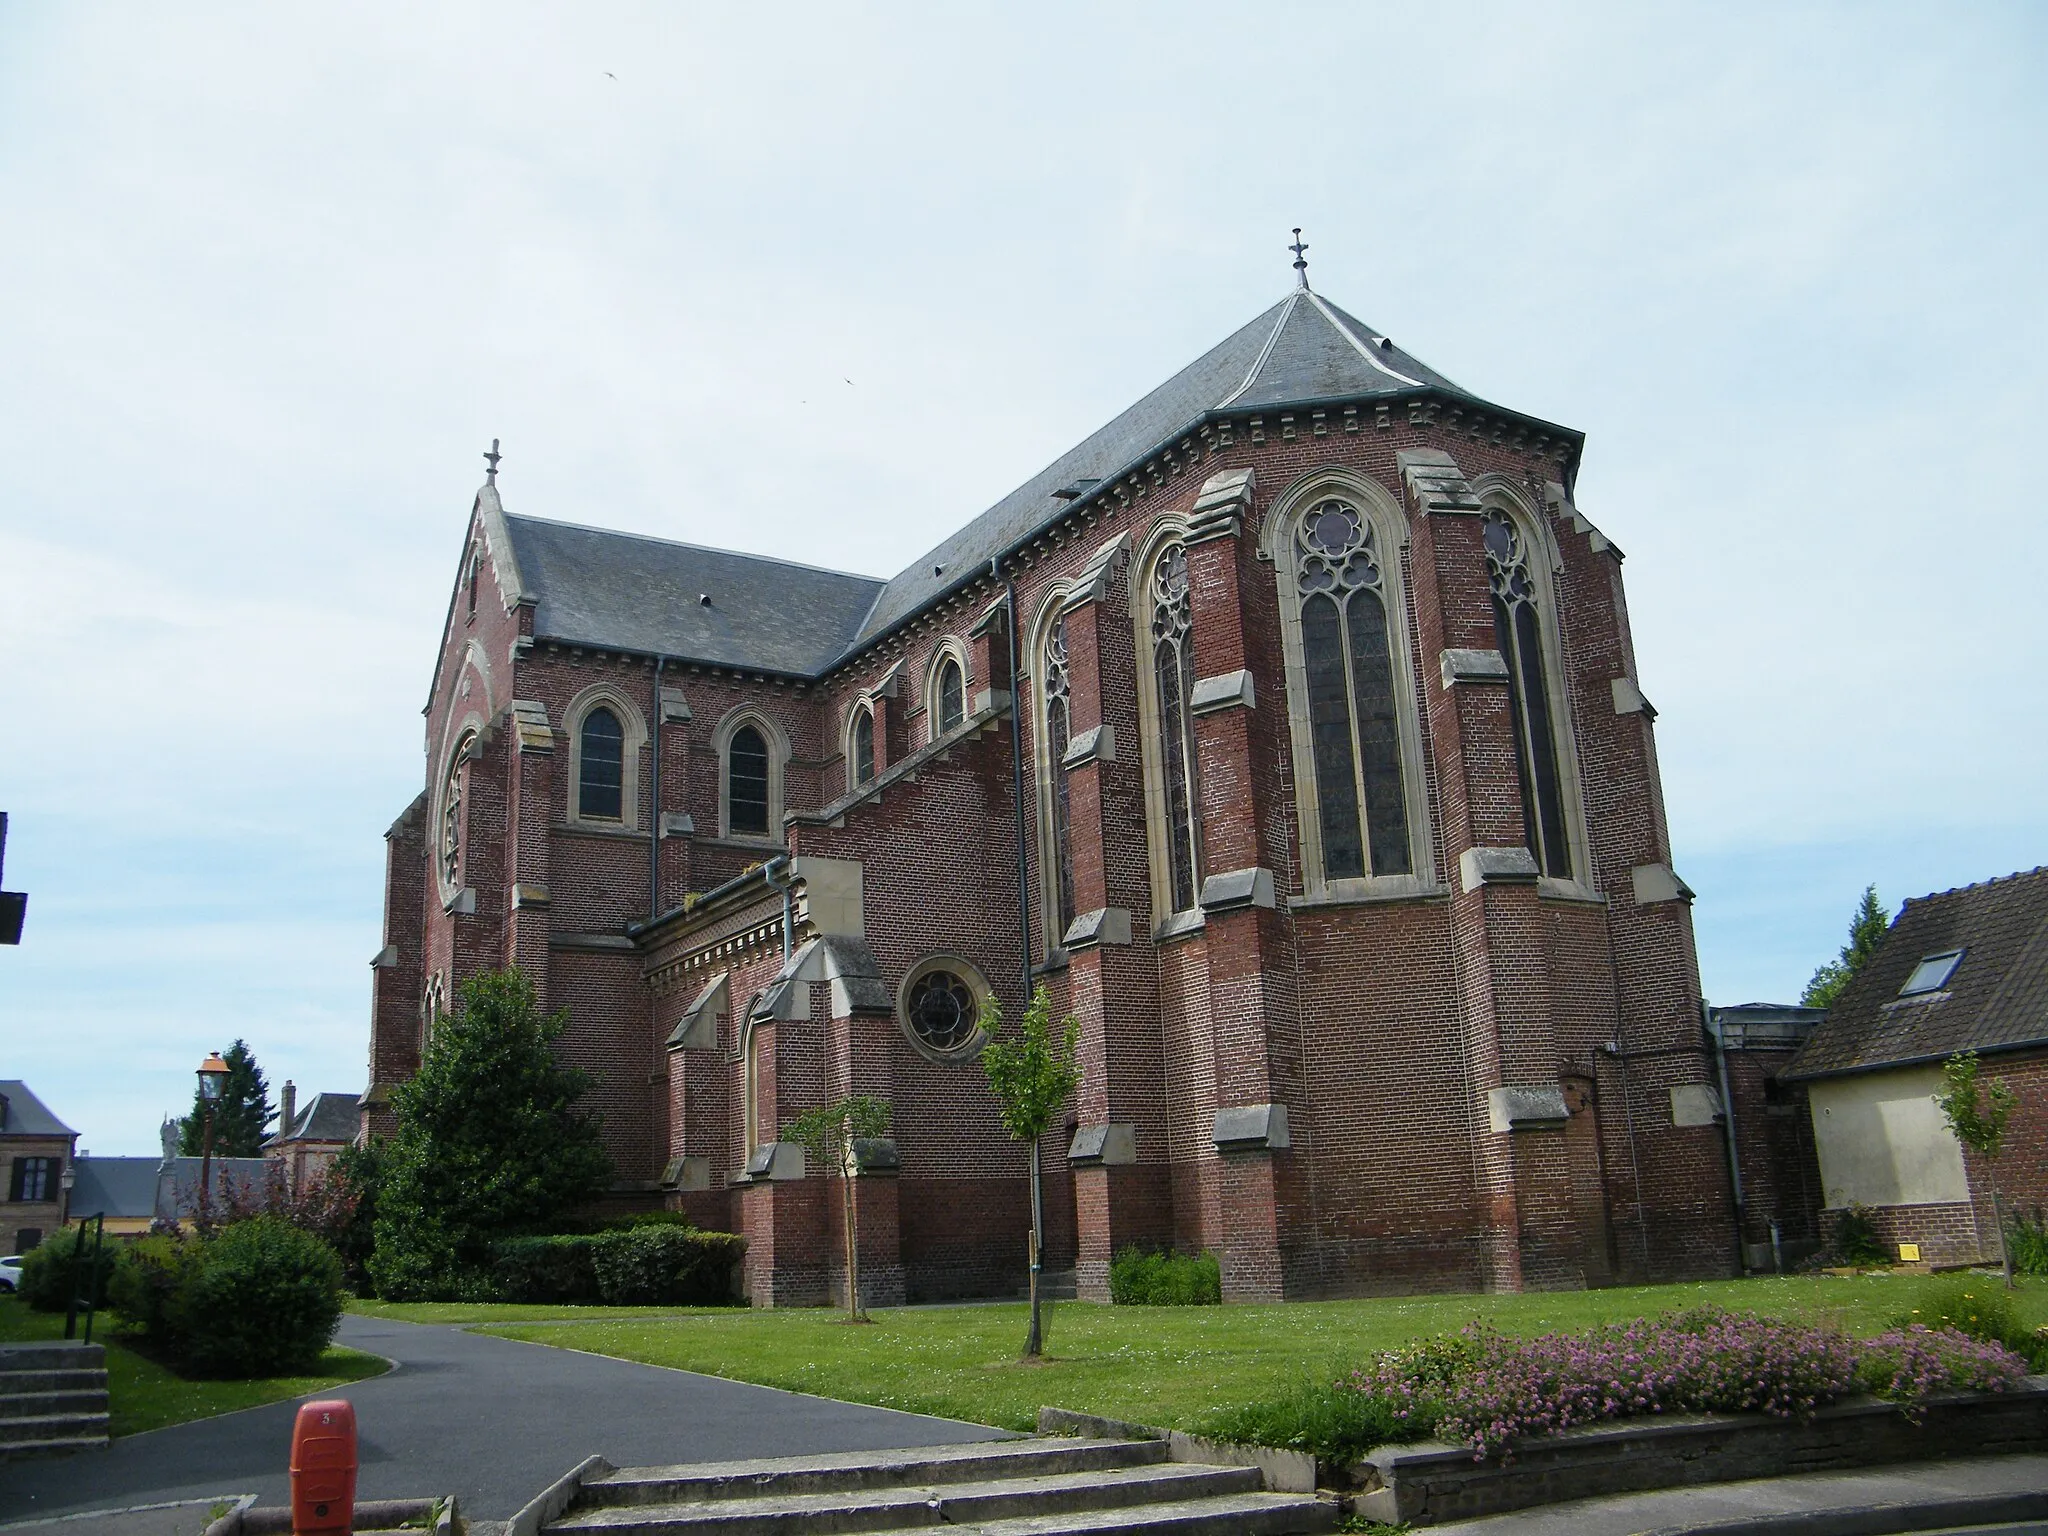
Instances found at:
x=1058 y=732
x=746 y=783
x=475 y=560
x=1354 y=729
x=952 y=697
x=454 y=815
x=861 y=747
x=1173 y=679
x=601 y=767
x=1518 y=630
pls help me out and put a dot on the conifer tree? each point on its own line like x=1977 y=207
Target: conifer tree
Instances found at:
x=240 y=1114
x=1866 y=931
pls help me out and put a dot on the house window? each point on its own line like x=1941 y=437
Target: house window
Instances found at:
x=860 y=749
x=951 y=702
x=1354 y=727
x=1518 y=630
x=1173 y=680
x=601 y=777
x=746 y=783
x=1058 y=731
x=34 y=1181
x=1932 y=973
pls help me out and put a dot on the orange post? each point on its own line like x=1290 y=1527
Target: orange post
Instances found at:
x=324 y=1469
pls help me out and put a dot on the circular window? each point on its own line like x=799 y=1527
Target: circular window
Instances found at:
x=941 y=1007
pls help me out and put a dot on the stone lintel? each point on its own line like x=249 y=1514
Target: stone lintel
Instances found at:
x=1658 y=882
x=1094 y=745
x=1238 y=888
x=1526 y=1107
x=1497 y=866
x=1252 y=1128
x=1105 y=925
x=1231 y=690
x=1103 y=1145
x=1460 y=666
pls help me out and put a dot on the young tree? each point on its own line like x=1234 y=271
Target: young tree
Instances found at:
x=1031 y=1077
x=1978 y=1114
x=832 y=1134
x=489 y=1143
x=239 y=1115
x=1866 y=931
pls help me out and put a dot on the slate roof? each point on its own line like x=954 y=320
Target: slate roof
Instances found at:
x=641 y=594
x=115 y=1186
x=328 y=1117
x=1997 y=999
x=24 y=1114
x=177 y=1193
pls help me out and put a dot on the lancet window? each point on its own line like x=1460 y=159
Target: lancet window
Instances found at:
x=1173 y=681
x=747 y=786
x=601 y=767
x=950 y=705
x=860 y=746
x=1058 y=732
x=1518 y=629
x=454 y=816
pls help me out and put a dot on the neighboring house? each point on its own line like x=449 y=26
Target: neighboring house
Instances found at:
x=310 y=1138
x=1959 y=970
x=1341 y=834
x=36 y=1151
x=122 y=1189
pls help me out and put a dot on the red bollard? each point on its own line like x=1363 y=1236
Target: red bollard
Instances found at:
x=324 y=1469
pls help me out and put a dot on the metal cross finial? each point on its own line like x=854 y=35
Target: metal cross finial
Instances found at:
x=1300 y=259
x=493 y=456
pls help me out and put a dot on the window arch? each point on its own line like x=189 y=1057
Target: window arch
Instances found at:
x=1172 y=773
x=454 y=830
x=600 y=783
x=1057 y=731
x=752 y=751
x=948 y=695
x=1336 y=547
x=1524 y=625
x=860 y=745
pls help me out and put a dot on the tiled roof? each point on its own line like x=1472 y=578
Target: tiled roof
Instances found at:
x=121 y=1187
x=23 y=1114
x=1996 y=999
x=328 y=1117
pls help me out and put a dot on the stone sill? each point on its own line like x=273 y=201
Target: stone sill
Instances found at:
x=1367 y=898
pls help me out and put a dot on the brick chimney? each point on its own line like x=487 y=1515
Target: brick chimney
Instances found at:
x=290 y=1111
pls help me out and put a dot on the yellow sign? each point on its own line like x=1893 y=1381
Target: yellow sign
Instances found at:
x=1909 y=1253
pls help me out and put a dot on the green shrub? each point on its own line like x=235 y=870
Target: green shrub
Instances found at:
x=1856 y=1240
x=147 y=1284
x=1141 y=1279
x=649 y=1219
x=1980 y=1307
x=1333 y=1421
x=665 y=1266
x=50 y=1271
x=552 y=1269
x=2026 y=1239
x=262 y=1300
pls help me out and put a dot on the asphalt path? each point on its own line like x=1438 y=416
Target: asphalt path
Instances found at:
x=490 y=1420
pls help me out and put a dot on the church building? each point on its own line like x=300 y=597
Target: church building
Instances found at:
x=1287 y=729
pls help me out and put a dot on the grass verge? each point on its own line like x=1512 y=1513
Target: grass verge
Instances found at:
x=143 y=1394
x=1172 y=1366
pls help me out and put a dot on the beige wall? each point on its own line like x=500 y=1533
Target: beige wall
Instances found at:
x=1882 y=1141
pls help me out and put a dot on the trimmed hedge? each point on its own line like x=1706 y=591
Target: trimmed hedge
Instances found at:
x=260 y=1299
x=661 y=1264
x=1141 y=1279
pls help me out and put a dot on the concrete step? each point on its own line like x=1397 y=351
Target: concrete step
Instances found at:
x=20 y=1382
x=12 y=1452
x=54 y=1356
x=33 y=1405
x=55 y=1426
x=868 y=1509
x=846 y=1472
x=1241 y=1514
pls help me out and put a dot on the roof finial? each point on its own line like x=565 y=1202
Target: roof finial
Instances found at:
x=491 y=458
x=1300 y=259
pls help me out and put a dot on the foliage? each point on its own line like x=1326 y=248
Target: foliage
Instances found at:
x=1866 y=931
x=552 y=1268
x=357 y=1173
x=1033 y=1075
x=320 y=1203
x=489 y=1144
x=1330 y=1420
x=832 y=1134
x=1856 y=1239
x=1966 y=1304
x=1909 y=1365
x=51 y=1270
x=647 y=1265
x=2026 y=1239
x=240 y=1114
x=149 y=1282
x=263 y=1300
x=1141 y=1279
x=1977 y=1112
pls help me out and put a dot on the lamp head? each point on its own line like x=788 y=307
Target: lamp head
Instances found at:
x=213 y=1076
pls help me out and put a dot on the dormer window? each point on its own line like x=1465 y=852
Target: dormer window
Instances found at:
x=1932 y=973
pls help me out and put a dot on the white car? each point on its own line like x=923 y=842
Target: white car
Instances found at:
x=10 y=1274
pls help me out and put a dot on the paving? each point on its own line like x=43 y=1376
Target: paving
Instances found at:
x=2007 y=1492
x=490 y=1420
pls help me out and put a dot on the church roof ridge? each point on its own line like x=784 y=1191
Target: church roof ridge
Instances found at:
x=692 y=544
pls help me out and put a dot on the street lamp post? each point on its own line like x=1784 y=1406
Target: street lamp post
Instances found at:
x=213 y=1077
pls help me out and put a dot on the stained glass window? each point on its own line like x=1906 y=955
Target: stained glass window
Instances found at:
x=452 y=822
x=1354 y=728
x=1058 y=732
x=952 y=699
x=601 y=767
x=941 y=1011
x=1517 y=627
x=1173 y=676
x=746 y=783
x=863 y=767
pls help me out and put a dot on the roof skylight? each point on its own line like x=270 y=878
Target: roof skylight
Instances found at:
x=1932 y=973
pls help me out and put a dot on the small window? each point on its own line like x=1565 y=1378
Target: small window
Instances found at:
x=940 y=1007
x=863 y=745
x=601 y=775
x=475 y=560
x=952 y=701
x=1932 y=973
x=35 y=1180
x=746 y=783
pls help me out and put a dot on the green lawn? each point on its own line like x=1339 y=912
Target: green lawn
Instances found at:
x=145 y=1395
x=1166 y=1365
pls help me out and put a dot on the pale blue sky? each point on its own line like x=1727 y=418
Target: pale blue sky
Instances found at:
x=276 y=275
